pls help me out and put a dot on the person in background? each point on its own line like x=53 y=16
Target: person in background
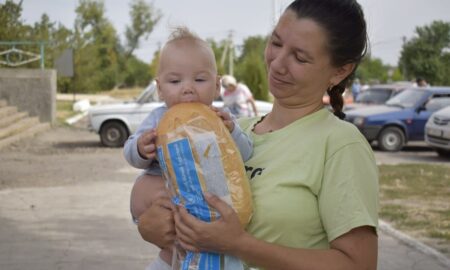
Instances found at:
x=356 y=89
x=421 y=82
x=313 y=176
x=237 y=97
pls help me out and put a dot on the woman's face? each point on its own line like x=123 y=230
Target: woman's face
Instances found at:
x=299 y=65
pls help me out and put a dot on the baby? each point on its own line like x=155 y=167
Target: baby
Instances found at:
x=187 y=72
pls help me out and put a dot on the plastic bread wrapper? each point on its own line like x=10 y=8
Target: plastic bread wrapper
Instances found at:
x=199 y=155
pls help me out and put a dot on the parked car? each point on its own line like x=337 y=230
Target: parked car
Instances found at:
x=377 y=95
x=116 y=122
x=437 y=131
x=402 y=118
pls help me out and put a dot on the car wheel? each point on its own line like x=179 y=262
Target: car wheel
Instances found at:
x=391 y=139
x=113 y=134
x=443 y=153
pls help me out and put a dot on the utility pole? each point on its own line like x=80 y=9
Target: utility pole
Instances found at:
x=230 y=53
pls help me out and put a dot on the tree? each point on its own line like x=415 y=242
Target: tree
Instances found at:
x=57 y=38
x=101 y=62
x=153 y=68
x=250 y=67
x=96 y=48
x=144 y=17
x=372 y=70
x=427 y=54
x=136 y=72
x=219 y=49
x=11 y=25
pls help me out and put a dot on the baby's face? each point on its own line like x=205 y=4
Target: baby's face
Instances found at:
x=187 y=73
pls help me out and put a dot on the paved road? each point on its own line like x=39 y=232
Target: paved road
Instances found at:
x=415 y=152
x=81 y=221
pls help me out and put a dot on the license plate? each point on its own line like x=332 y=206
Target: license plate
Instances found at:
x=434 y=132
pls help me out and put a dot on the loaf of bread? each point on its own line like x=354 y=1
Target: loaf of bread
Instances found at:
x=197 y=154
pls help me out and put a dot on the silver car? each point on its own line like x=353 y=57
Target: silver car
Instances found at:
x=115 y=122
x=437 y=131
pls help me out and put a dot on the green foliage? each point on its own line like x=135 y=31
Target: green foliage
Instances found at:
x=397 y=75
x=101 y=62
x=96 y=48
x=57 y=38
x=251 y=69
x=12 y=27
x=144 y=17
x=427 y=54
x=219 y=50
x=136 y=73
x=372 y=70
x=153 y=68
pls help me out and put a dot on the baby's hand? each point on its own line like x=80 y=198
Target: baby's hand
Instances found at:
x=226 y=118
x=146 y=144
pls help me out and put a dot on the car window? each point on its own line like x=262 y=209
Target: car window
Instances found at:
x=374 y=96
x=437 y=103
x=407 y=98
x=150 y=94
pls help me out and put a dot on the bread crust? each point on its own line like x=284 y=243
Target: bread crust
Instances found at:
x=213 y=150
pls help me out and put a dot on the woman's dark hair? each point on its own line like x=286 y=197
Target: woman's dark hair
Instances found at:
x=343 y=20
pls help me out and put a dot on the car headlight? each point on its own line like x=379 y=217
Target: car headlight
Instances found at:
x=358 y=121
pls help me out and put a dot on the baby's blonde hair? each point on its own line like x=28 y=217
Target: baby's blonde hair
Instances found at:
x=181 y=33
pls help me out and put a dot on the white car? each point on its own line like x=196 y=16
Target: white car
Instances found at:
x=115 y=122
x=437 y=131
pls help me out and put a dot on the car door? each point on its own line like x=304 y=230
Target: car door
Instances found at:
x=436 y=102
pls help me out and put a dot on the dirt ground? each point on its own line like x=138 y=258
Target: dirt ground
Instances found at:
x=52 y=157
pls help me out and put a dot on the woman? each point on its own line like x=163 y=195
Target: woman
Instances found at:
x=313 y=176
x=237 y=97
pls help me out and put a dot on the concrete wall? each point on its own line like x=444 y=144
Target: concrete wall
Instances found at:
x=32 y=90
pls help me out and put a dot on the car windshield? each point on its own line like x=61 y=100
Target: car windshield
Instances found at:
x=149 y=94
x=374 y=96
x=407 y=98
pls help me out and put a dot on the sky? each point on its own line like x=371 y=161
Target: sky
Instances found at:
x=388 y=20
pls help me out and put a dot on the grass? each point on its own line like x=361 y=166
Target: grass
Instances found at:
x=64 y=108
x=124 y=94
x=64 y=111
x=415 y=198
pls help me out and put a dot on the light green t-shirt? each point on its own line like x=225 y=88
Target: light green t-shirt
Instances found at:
x=312 y=181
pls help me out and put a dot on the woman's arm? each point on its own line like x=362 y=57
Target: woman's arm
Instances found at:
x=356 y=249
x=155 y=221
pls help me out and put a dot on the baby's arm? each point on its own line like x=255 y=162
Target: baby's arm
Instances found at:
x=139 y=149
x=242 y=140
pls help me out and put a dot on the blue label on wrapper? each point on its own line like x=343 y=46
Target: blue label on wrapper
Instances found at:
x=188 y=183
x=191 y=195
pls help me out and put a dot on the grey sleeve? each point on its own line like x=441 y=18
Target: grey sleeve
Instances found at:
x=243 y=141
x=130 y=150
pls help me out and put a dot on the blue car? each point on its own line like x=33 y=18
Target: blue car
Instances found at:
x=402 y=118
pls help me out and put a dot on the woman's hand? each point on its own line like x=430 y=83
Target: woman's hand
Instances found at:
x=219 y=236
x=156 y=224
